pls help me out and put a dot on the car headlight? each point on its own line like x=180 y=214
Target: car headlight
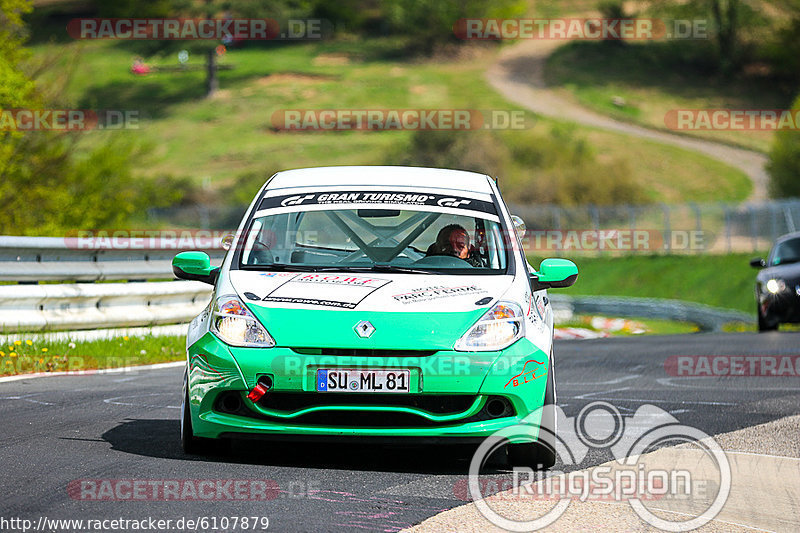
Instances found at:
x=497 y=329
x=234 y=324
x=776 y=285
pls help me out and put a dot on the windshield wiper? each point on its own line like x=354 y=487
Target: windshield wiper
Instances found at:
x=377 y=267
x=330 y=268
x=281 y=267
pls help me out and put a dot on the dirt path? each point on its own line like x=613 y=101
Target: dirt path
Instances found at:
x=519 y=76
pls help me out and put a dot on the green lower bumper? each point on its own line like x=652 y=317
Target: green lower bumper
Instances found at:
x=464 y=382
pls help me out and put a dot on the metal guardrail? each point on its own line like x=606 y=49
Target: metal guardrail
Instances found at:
x=33 y=259
x=99 y=305
x=717 y=228
x=28 y=306
x=76 y=306
x=706 y=317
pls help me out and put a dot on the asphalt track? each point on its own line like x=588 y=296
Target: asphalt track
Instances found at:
x=125 y=426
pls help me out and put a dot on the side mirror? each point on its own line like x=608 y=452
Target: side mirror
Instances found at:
x=194 y=266
x=758 y=263
x=554 y=274
x=519 y=226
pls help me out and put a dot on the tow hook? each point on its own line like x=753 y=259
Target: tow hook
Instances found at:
x=260 y=390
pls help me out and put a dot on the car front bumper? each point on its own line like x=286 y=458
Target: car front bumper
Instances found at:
x=782 y=307
x=453 y=395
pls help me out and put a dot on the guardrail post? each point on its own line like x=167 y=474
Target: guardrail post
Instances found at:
x=773 y=222
x=698 y=224
x=595 y=214
x=787 y=213
x=556 y=218
x=631 y=223
x=728 y=228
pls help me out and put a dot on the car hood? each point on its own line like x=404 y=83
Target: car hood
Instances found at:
x=408 y=311
x=789 y=273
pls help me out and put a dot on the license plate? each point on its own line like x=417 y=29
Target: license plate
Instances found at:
x=357 y=380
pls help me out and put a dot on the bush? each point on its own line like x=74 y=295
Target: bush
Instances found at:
x=48 y=189
x=47 y=184
x=555 y=168
x=430 y=22
x=783 y=53
x=784 y=162
x=477 y=151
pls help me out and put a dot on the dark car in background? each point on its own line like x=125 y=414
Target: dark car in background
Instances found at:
x=778 y=284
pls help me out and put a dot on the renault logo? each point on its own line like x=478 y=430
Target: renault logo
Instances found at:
x=364 y=329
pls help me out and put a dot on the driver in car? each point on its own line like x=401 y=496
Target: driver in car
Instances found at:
x=453 y=240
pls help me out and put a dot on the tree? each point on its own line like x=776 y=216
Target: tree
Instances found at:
x=430 y=22
x=47 y=184
x=727 y=14
x=729 y=20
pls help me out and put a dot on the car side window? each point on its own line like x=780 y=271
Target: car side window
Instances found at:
x=786 y=252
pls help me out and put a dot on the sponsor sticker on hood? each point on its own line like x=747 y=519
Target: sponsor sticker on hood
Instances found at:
x=426 y=294
x=332 y=290
x=385 y=292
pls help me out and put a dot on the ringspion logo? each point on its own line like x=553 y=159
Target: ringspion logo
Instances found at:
x=657 y=459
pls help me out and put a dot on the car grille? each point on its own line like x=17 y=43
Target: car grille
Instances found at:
x=439 y=404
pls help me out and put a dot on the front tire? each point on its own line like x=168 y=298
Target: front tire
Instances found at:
x=540 y=455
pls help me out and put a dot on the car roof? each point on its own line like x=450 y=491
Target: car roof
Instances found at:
x=788 y=237
x=382 y=176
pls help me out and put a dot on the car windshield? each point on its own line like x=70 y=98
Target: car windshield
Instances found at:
x=376 y=238
x=786 y=252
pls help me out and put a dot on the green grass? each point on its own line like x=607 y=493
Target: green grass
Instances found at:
x=24 y=353
x=654 y=78
x=221 y=139
x=651 y=326
x=717 y=280
x=698 y=178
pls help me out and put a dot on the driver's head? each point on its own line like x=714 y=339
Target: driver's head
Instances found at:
x=453 y=240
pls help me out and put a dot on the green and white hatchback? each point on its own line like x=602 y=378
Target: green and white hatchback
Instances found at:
x=372 y=303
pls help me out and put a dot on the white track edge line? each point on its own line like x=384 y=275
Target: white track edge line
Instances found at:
x=18 y=377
